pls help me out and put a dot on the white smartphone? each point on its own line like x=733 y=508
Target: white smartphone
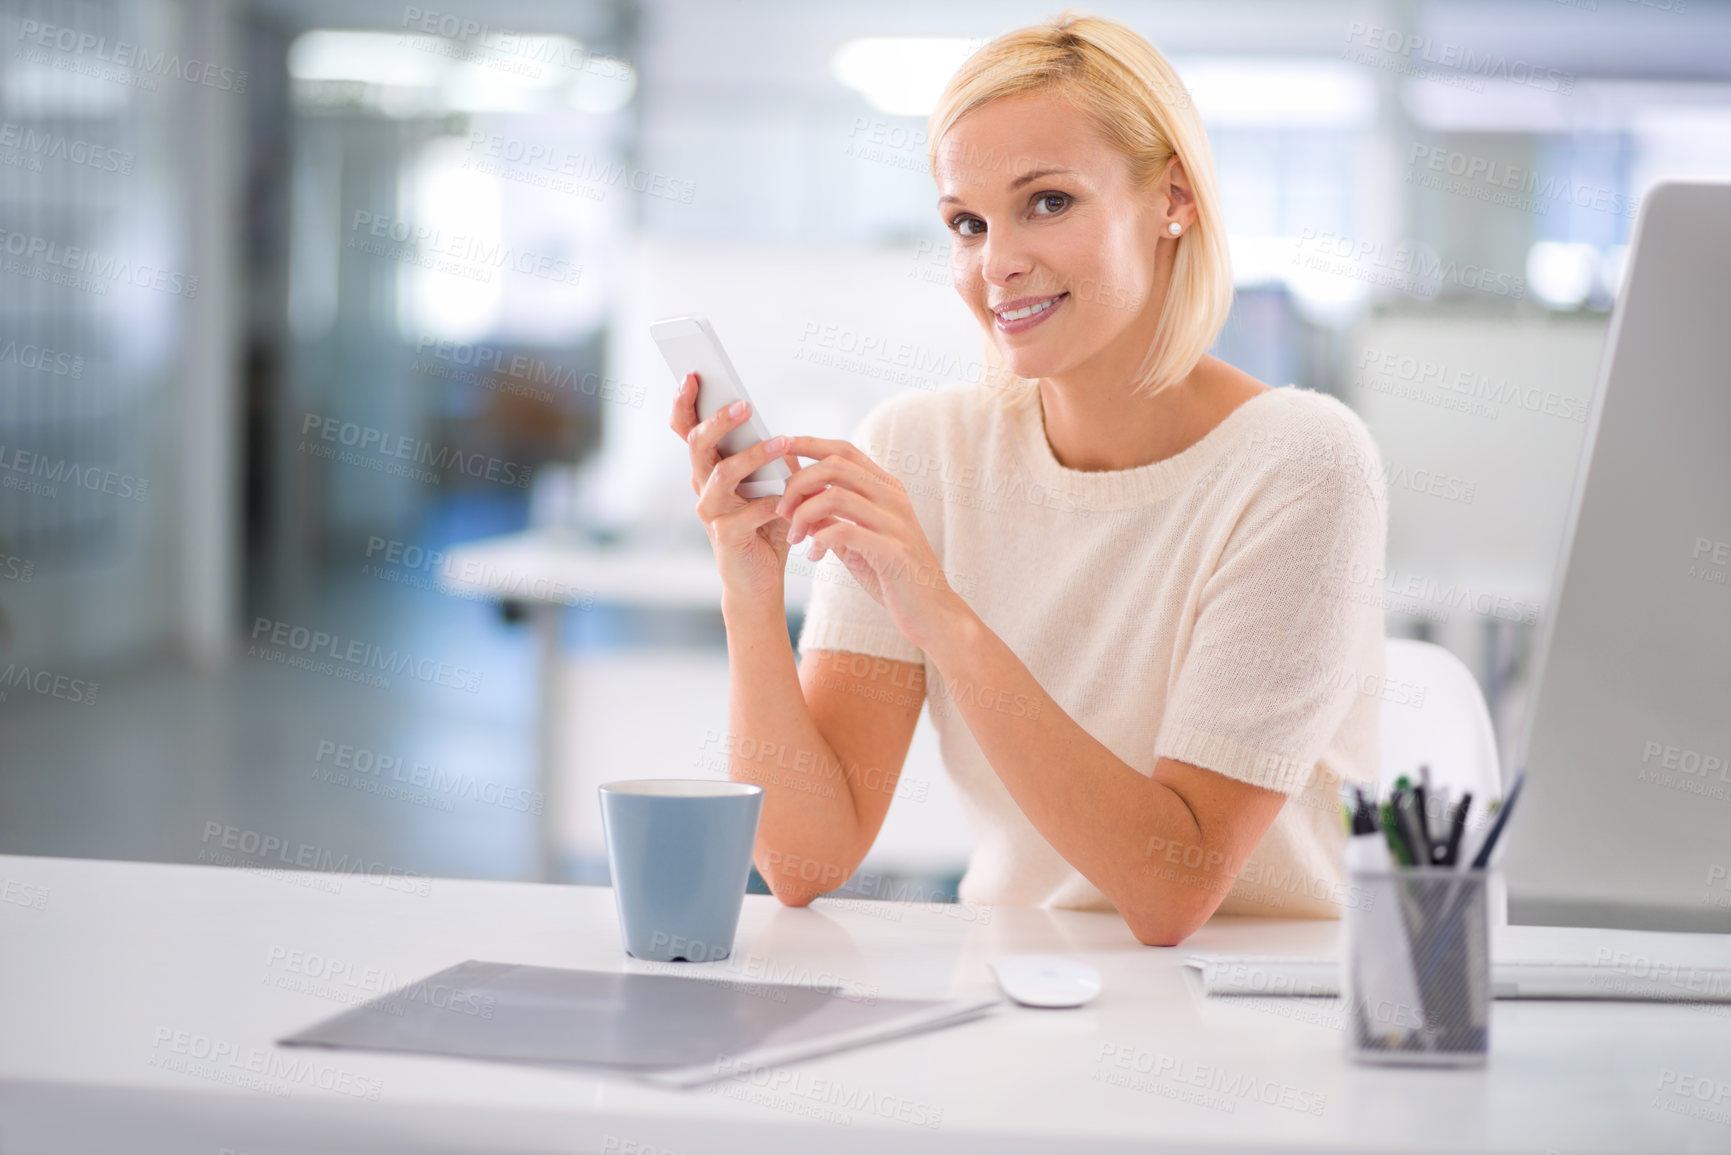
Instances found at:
x=690 y=345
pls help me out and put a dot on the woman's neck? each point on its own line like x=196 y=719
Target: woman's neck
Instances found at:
x=1096 y=425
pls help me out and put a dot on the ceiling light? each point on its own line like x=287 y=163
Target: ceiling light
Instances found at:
x=901 y=75
x=1561 y=275
x=410 y=75
x=1278 y=92
x=368 y=57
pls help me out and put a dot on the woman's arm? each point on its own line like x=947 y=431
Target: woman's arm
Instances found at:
x=827 y=753
x=1164 y=849
x=826 y=742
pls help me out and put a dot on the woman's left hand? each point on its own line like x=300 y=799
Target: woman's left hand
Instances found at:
x=859 y=511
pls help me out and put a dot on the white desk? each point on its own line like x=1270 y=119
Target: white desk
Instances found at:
x=109 y=971
x=543 y=567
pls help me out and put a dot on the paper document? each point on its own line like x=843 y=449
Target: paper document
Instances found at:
x=665 y=1029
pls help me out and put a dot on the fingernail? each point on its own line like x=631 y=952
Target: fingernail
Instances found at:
x=794 y=537
x=737 y=409
x=776 y=444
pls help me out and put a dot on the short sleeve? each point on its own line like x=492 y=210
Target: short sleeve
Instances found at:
x=1285 y=643
x=842 y=616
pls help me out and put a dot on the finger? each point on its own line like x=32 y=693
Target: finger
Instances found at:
x=719 y=424
x=705 y=440
x=833 y=471
x=820 y=447
x=720 y=487
x=740 y=523
x=684 y=419
x=854 y=544
x=733 y=470
x=684 y=406
x=834 y=503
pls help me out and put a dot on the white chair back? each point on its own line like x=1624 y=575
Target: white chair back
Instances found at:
x=1434 y=714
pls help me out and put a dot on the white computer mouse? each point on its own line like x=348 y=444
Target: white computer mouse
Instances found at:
x=1046 y=980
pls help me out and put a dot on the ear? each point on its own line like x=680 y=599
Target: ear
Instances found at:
x=1174 y=191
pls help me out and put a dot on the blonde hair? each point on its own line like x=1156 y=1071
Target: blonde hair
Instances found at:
x=1143 y=110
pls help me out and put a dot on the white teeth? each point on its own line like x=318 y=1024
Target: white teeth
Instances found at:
x=1028 y=310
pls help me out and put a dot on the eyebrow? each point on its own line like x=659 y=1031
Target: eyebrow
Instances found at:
x=1036 y=175
x=1025 y=178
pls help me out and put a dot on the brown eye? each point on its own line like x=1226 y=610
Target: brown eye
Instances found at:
x=968 y=226
x=1047 y=204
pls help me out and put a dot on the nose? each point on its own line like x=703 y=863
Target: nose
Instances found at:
x=1003 y=260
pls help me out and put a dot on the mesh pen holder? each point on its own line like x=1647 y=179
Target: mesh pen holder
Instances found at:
x=1416 y=973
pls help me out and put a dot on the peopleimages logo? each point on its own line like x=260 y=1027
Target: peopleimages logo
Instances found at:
x=86 y=269
x=532 y=49
x=1540 y=188
x=56 y=146
x=366 y=769
x=316 y=650
x=366 y=439
x=48 y=684
x=256 y=849
x=1428 y=58
x=16 y=569
x=461 y=254
x=486 y=361
x=1408 y=266
x=821 y=1098
x=1471 y=386
x=51 y=472
x=41 y=359
x=121 y=54
x=1221 y=1089
x=491 y=152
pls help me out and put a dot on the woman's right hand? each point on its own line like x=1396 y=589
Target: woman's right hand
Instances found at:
x=749 y=538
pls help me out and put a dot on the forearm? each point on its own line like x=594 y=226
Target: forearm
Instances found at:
x=1114 y=824
x=809 y=833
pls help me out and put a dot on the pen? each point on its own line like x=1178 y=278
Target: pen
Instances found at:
x=1418 y=807
x=1440 y=810
x=1449 y=922
x=1411 y=822
x=1425 y=794
x=1457 y=827
x=1396 y=841
x=1363 y=817
x=1483 y=857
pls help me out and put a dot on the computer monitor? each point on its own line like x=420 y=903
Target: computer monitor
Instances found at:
x=1627 y=820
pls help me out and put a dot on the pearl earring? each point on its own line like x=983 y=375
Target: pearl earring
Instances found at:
x=1174 y=228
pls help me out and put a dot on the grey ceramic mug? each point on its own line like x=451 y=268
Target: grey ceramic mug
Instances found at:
x=680 y=853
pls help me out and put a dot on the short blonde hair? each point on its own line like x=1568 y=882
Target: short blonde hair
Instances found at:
x=1141 y=107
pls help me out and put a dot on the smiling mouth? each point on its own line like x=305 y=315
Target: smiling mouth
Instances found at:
x=1030 y=310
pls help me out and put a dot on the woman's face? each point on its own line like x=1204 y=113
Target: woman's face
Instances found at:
x=1058 y=254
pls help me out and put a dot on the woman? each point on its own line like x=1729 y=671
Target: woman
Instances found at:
x=1120 y=586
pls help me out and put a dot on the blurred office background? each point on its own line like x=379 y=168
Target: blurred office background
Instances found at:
x=299 y=297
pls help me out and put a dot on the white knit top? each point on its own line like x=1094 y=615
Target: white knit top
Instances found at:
x=1219 y=607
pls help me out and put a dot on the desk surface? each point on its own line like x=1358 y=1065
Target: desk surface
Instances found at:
x=140 y=1001
x=539 y=566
